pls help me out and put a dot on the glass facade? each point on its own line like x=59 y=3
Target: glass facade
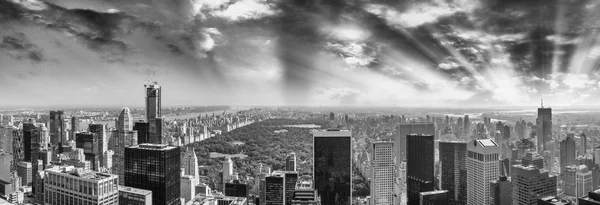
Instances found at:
x=419 y=166
x=142 y=129
x=290 y=186
x=333 y=169
x=274 y=190
x=155 y=168
x=453 y=157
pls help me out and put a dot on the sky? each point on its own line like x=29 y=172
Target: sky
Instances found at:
x=410 y=53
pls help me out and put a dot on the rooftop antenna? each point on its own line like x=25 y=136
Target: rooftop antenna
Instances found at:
x=148 y=80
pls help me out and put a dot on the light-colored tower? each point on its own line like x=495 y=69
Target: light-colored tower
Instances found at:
x=290 y=162
x=483 y=157
x=583 y=180
x=190 y=165
x=125 y=121
x=227 y=171
x=382 y=174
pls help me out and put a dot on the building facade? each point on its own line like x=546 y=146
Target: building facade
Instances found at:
x=382 y=174
x=482 y=167
x=332 y=171
x=68 y=185
x=530 y=183
x=453 y=159
x=419 y=166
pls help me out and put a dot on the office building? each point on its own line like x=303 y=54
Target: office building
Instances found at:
x=68 y=185
x=290 y=162
x=187 y=187
x=434 y=198
x=154 y=167
x=227 y=171
x=100 y=132
x=134 y=196
x=117 y=144
x=405 y=129
x=155 y=130
x=190 y=165
x=143 y=132
x=419 y=166
x=30 y=134
x=482 y=167
x=57 y=130
x=567 y=152
x=453 y=157
x=332 y=151
x=593 y=198
x=467 y=125
x=382 y=173
x=544 y=128
x=533 y=158
x=25 y=171
x=125 y=121
x=17 y=147
x=569 y=178
x=501 y=191
x=274 y=190
x=530 y=183
x=583 y=180
x=153 y=101
x=74 y=127
x=237 y=189
x=289 y=187
x=89 y=142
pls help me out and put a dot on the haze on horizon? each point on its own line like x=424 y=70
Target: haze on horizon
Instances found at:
x=417 y=53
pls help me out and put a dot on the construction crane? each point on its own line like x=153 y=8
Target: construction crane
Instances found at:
x=148 y=80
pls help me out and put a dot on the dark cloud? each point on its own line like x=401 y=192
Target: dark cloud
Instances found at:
x=18 y=46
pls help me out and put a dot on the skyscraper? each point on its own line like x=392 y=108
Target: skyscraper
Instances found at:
x=74 y=127
x=89 y=143
x=530 y=183
x=30 y=133
x=419 y=165
x=125 y=121
x=382 y=173
x=156 y=168
x=290 y=179
x=143 y=132
x=190 y=165
x=582 y=144
x=405 y=129
x=227 y=171
x=583 y=180
x=57 y=129
x=544 y=128
x=332 y=171
x=290 y=162
x=501 y=191
x=453 y=157
x=153 y=101
x=274 y=190
x=483 y=157
x=567 y=152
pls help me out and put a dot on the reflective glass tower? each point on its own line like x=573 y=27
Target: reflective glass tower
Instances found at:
x=333 y=166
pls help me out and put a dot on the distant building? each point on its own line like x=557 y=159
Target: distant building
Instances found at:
x=567 y=152
x=482 y=167
x=143 y=130
x=332 y=151
x=237 y=189
x=24 y=170
x=134 y=196
x=501 y=191
x=154 y=167
x=94 y=187
x=533 y=158
x=453 y=157
x=290 y=162
x=227 y=171
x=382 y=174
x=57 y=129
x=305 y=194
x=544 y=128
x=433 y=198
x=405 y=129
x=217 y=200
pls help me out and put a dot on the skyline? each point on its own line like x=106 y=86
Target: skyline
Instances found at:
x=456 y=53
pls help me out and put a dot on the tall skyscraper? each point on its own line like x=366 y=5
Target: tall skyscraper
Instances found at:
x=155 y=130
x=30 y=133
x=332 y=171
x=483 y=157
x=530 y=183
x=290 y=179
x=18 y=151
x=274 y=190
x=290 y=162
x=125 y=121
x=467 y=125
x=190 y=165
x=74 y=127
x=227 y=171
x=153 y=101
x=405 y=129
x=544 y=128
x=419 y=165
x=89 y=143
x=453 y=158
x=156 y=168
x=382 y=173
x=582 y=144
x=567 y=152
x=117 y=143
x=57 y=129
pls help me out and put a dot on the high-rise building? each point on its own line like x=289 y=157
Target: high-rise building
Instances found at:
x=501 y=191
x=134 y=196
x=290 y=162
x=382 y=173
x=155 y=130
x=290 y=180
x=433 y=197
x=100 y=131
x=582 y=144
x=237 y=189
x=68 y=185
x=143 y=132
x=419 y=166
x=544 y=128
x=30 y=133
x=190 y=165
x=125 y=121
x=453 y=157
x=332 y=167
x=154 y=167
x=530 y=183
x=153 y=101
x=74 y=127
x=405 y=129
x=483 y=157
x=57 y=129
x=467 y=125
x=187 y=188
x=89 y=143
x=305 y=194
x=274 y=190
x=583 y=181
x=227 y=171
x=24 y=170
x=533 y=158
x=567 y=152
x=117 y=143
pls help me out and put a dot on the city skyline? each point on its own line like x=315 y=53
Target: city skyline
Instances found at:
x=329 y=53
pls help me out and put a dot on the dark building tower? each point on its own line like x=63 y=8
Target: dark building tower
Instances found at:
x=274 y=190
x=434 y=198
x=453 y=157
x=567 y=152
x=143 y=130
x=290 y=162
x=155 y=130
x=582 y=144
x=467 y=125
x=156 y=168
x=74 y=127
x=89 y=143
x=153 y=106
x=544 y=128
x=291 y=178
x=332 y=151
x=419 y=166
x=57 y=129
x=29 y=133
x=405 y=129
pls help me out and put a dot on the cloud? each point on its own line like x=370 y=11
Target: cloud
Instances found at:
x=19 y=47
x=354 y=54
x=236 y=10
x=421 y=13
x=35 y=5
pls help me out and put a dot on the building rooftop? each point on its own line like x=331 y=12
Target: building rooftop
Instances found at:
x=134 y=190
x=487 y=143
x=433 y=192
x=81 y=173
x=153 y=146
x=332 y=133
x=555 y=200
x=213 y=199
